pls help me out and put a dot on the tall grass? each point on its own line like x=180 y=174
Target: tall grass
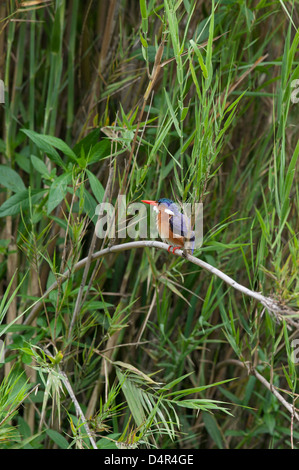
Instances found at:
x=188 y=100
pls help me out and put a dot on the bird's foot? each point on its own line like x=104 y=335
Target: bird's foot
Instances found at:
x=173 y=249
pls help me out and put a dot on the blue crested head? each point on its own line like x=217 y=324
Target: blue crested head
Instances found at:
x=170 y=205
x=165 y=201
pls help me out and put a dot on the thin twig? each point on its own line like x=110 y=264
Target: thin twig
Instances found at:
x=252 y=371
x=79 y=412
x=137 y=343
x=273 y=390
x=147 y=316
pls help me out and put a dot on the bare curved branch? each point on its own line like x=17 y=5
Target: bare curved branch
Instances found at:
x=270 y=304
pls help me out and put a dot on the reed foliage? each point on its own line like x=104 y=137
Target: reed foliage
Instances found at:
x=191 y=100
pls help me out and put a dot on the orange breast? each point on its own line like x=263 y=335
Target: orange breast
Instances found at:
x=165 y=231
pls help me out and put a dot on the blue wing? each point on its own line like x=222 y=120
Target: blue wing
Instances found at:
x=180 y=226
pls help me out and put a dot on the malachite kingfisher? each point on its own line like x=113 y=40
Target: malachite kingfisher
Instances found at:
x=174 y=227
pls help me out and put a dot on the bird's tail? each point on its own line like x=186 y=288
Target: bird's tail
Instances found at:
x=190 y=243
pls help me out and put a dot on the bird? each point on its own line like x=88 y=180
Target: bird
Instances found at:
x=174 y=227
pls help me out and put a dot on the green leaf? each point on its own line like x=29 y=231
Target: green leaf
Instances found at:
x=87 y=143
x=7 y=298
x=184 y=112
x=99 y=151
x=135 y=370
x=90 y=205
x=56 y=33
x=289 y=181
x=26 y=358
x=200 y=58
x=174 y=382
x=212 y=428
x=143 y=10
x=96 y=186
x=188 y=391
x=174 y=289
x=43 y=143
x=61 y=145
x=202 y=404
x=39 y=165
x=23 y=162
x=108 y=443
x=57 y=438
x=210 y=46
x=133 y=396
x=143 y=41
x=58 y=191
x=11 y=179
x=20 y=200
x=173 y=115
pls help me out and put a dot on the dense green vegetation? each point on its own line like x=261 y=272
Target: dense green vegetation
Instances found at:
x=191 y=100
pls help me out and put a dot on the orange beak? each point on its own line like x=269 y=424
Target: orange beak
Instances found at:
x=153 y=203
